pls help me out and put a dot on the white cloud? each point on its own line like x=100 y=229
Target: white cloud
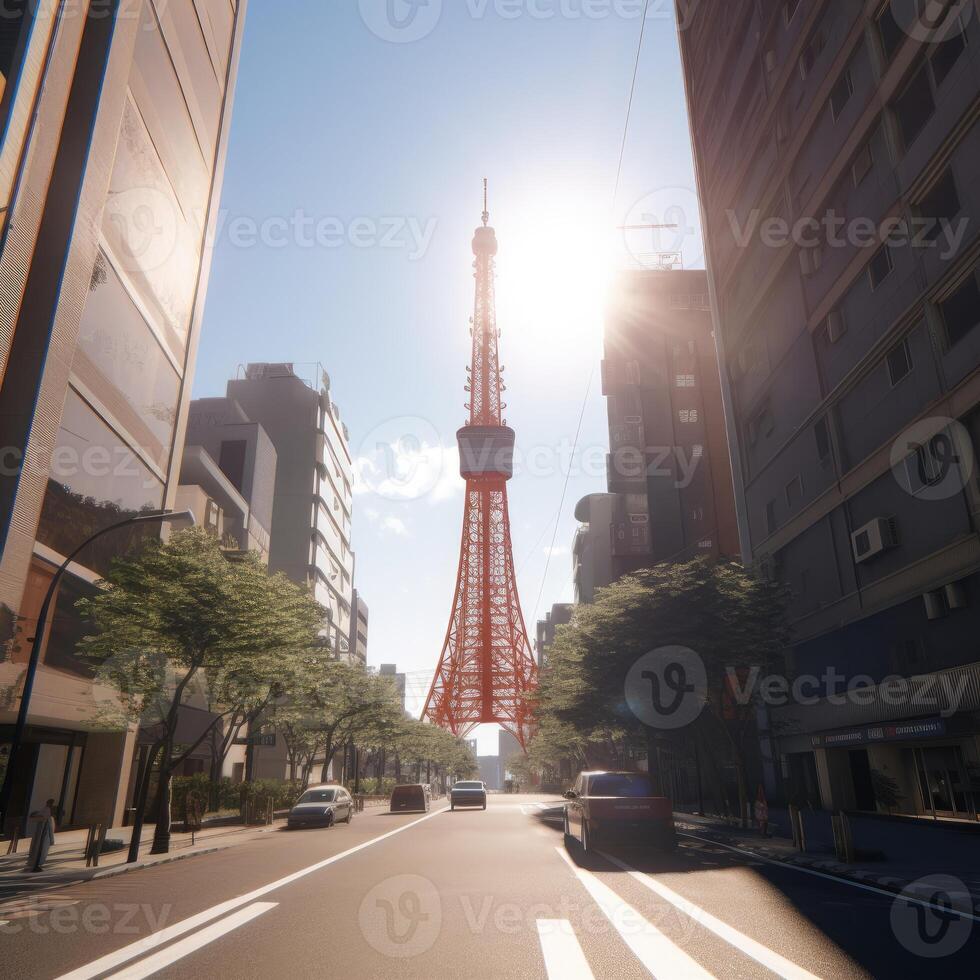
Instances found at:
x=386 y=523
x=405 y=469
x=395 y=525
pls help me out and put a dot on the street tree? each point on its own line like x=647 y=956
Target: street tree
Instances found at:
x=733 y=622
x=330 y=704
x=170 y=616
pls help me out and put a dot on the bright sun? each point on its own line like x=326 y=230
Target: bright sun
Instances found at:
x=553 y=273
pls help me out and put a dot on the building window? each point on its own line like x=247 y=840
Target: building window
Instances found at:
x=697 y=452
x=685 y=381
x=794 y=491
x=95 y=480
x=947 y=53
x=899 y=362
x=940 y=203
x=821 y=433
x=771 y=523
x=863 y=164
x=697 y=514
x=231 y=461
x=841 y=94
x=706 y=544
x=880 y=267
x=961 y=311
x=762 y=424
x=15 y=22
x=688 y=415
x=890 y=32
x=632 y=372
x=915 y=106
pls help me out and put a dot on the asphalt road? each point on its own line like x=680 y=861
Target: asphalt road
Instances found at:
x=477 y=894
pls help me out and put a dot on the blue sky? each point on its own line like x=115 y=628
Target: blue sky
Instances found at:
x=351 y=192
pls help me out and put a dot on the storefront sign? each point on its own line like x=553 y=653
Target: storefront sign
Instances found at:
x=890 y=732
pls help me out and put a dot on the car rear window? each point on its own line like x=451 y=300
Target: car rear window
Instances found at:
x=468 y=786
x=614 y=784
x=411 y=792
x=318 y=796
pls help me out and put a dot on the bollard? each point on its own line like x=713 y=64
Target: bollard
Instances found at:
x=93 y=846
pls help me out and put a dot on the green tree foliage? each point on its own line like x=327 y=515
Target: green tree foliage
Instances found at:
x=176 y=616
x=328 y=704
x=732 y=620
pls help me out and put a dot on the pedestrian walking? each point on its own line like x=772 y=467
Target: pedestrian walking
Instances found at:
x=42 y=837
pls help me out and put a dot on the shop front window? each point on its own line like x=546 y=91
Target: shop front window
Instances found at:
x=944 y=786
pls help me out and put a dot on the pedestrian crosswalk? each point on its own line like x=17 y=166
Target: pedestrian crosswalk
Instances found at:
x=661 y=955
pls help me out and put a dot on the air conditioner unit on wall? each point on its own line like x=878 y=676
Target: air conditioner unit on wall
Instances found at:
x=875 y=537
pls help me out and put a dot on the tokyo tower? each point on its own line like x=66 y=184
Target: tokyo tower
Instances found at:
x=486 y=668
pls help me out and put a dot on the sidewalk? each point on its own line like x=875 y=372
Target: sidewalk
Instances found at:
x=66 y=859
x=891 y=873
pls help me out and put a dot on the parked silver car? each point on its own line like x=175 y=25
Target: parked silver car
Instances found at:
x=322 y=806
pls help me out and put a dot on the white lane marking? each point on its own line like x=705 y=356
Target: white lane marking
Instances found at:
x=159 y=961
x=649 y=945
x=779 y=965
x=141 y=946
x=840 y=881
x=563 y=956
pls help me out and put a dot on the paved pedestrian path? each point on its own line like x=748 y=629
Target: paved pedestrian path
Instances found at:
x=912 y=869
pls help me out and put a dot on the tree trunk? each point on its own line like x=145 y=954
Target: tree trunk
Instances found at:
x=142 y=791
x=214 y=802
x=161 y=833
x=653 y=763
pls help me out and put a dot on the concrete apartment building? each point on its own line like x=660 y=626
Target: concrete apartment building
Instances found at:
x=115 y=128
x=228 y=475
x=850 y=361
x=398 y=680
x=358 y=629
x=312 y=496
x=559 y=615
x=668 y=453
x=592 y=549
x=310 y=534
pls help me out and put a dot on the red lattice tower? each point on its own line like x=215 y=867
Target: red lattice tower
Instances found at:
x=486 y=669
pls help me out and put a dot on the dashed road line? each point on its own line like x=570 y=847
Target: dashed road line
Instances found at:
x=111 y=960
x=170 y=955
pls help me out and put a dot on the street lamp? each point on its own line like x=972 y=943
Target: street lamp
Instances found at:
x=175 y=517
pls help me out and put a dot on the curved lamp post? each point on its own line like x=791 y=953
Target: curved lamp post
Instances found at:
x=176 y=517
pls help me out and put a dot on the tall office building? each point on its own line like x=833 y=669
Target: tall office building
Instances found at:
x=114 y=132
x=592 y=549
x=558 y=615
x=310 y=534
x=851 y=369
x=668 y=461
x=359 y=629
x=398 y=679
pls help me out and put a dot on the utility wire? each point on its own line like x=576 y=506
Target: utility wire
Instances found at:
x=629 y=104
x=564 y=491
x=588 y=389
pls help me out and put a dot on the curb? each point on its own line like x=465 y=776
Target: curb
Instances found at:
x=81 y=876
x=140 y=865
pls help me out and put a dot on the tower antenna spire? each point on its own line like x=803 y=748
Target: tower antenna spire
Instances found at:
x=486 y=209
